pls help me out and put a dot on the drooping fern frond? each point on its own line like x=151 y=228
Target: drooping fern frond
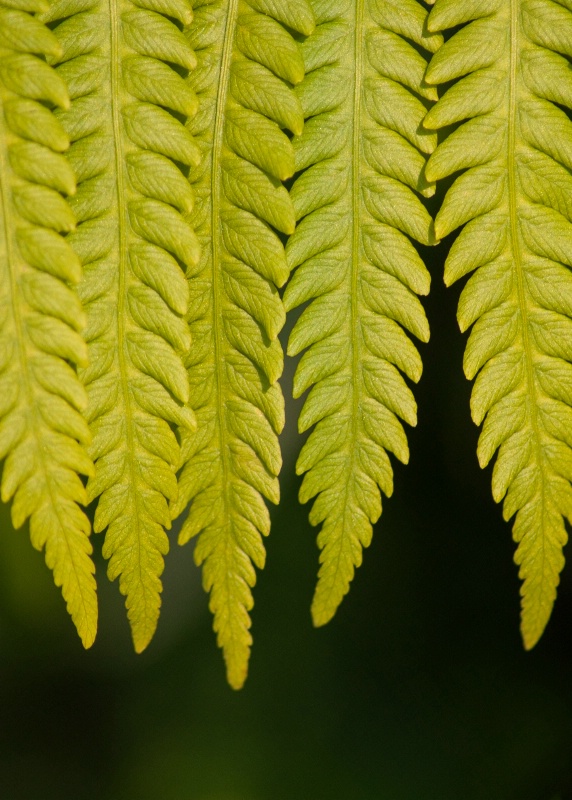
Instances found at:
x=42 y=430
x=133 y=239
x=361 y=158
x=511 y=73
x=246 y=63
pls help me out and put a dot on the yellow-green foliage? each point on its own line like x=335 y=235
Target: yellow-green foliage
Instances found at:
x=133 y=241
x=361 y=158
x=42 y=430
x=165 y=166
x=247 y=63
x=510 y=75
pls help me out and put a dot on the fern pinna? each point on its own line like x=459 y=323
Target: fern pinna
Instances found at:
x=42 y=430
x=134 y=242
x=361 y=158
x=511 y=73
x=247 y=61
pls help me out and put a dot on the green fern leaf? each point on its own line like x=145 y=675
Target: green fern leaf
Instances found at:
x=246 y=61
x=132 y=205
x=361 y=159
x=514 y=144
x=42 y=429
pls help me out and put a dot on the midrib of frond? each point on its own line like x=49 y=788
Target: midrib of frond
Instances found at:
x=357 y=133
x=116 y=102
x=532 y=398
x=217 y=246
x=356 y=211
x=32 y=415
x=218 y=289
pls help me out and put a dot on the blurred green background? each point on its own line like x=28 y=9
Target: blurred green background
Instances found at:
x=418 y=690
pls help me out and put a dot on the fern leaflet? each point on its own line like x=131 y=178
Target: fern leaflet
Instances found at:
x=133 y=235
x=246 y=61
x=361 y=158
x=514 y=146
x=42 y=430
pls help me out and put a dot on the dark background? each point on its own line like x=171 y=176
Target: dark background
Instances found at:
x=418 y=690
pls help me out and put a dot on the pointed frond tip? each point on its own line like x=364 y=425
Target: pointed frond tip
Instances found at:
x=360 y=170
x=513 y=145
x=43 y=432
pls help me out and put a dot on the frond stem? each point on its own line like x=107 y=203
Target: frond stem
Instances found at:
x=122 y=306
x=217 y=289
x=514 y=233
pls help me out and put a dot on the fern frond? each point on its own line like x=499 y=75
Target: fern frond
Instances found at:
x=133 y=235
x=361 y=158
x=514 y=145
x=42 y=429
x=246 y=63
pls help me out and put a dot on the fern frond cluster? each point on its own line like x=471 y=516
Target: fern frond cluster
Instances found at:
x=176 y=175
x=42 y=431
x=361 y=158
x=135 y=243
x=511 y=75
x=247 y=64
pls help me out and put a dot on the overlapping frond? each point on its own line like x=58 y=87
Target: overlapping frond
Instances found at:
x=361 y=158
x=247 y=61
x=121 y=63
x=511 y=73
x=42 y=430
